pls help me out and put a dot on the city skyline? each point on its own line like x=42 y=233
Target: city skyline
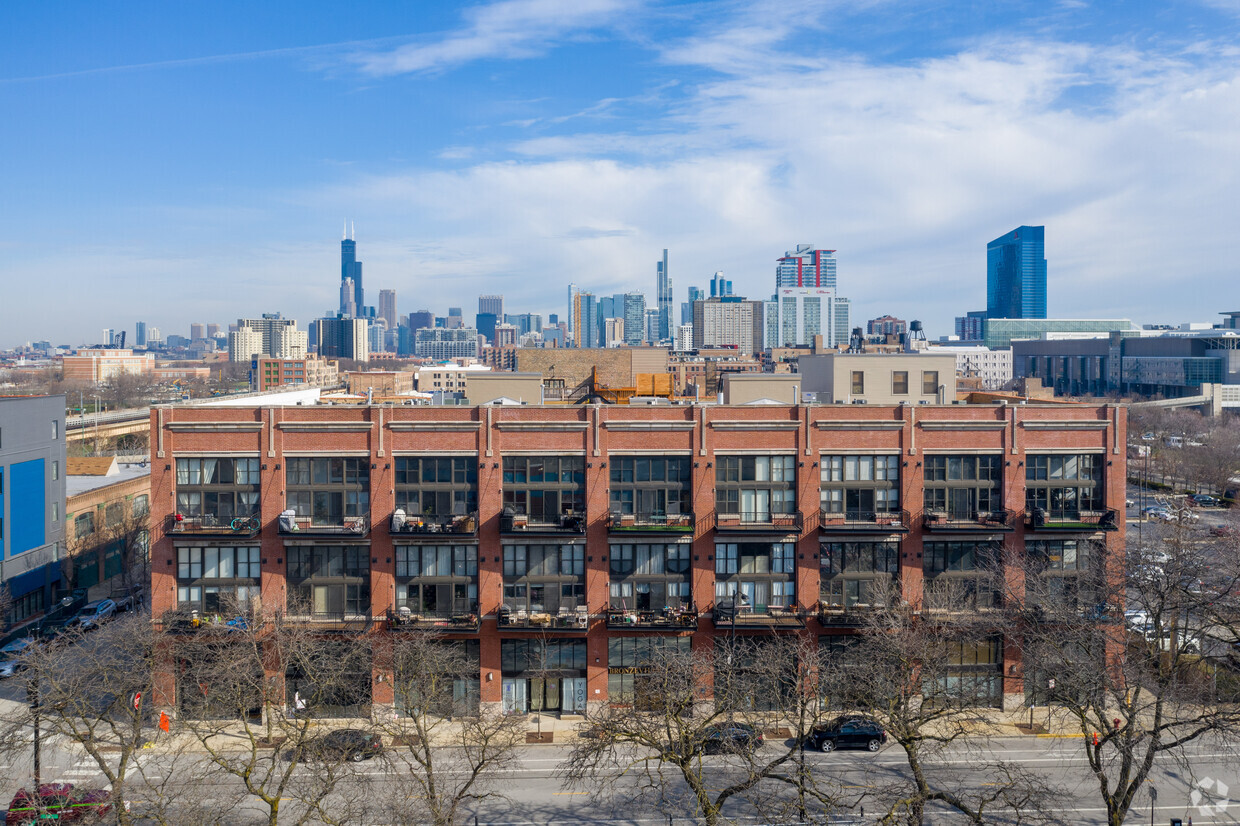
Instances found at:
x=603 y=132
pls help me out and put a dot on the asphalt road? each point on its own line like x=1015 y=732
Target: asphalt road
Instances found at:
x=534 y=794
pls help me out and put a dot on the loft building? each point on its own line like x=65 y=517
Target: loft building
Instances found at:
x=593 y=533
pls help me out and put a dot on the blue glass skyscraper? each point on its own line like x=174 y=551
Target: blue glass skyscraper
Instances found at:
x=1016 y=274
x=350 y=267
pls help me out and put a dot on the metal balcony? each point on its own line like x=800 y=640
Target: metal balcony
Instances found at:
x=682 y=618
x=567 y=618
x=518 y=523
x=456 y=525
x=405 y=619
x=726 y=615
x=349 y=527
x=177 y=524
x=1039 y=519
x=869 y=522
x=976 y=522
x=653 y=523
x=763 y=522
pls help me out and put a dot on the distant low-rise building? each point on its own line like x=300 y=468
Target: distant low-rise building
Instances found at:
x=380 y=382
x=103 y=365
x=446 y=378
x=107 y=510
x=880 y=378
x=311 y=371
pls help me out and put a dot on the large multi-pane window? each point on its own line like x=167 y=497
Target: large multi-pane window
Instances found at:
x=651 y=485
x=973 y=675
x=760 y=575
x=214 y=579
x=328 y=490
x=1063 y=485
x=544 y=488
x=543 y=675
x=457 y=682
x=962 y=487
x=544 y=579
x=437 y=580
x=960 y=575
x=857 y=573
x=755 y=486
x=219 y=489
x=650 y=577
x=1064 y=572
x=859 y=487
x=629 y=658
x=436 y=487
x=329 y=580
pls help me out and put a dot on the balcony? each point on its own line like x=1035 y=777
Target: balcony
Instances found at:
x=519 y=523
x=348 y=527
x=193 y=621
x=684 y=618
x=727 y=615
x=983 y=522
x=832 y=612
x=1039 y=519
x=404 y=619
x=763 y=522
x=334 y=621
x=870 y=522
x=566 y=619
x=209 y=525
x=655 y=523
x=456 y=525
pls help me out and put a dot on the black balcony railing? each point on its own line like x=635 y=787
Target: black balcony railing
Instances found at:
x=953 y=522
x=405 y=619
x=567 y=618
x=1039 y=519
x=193 y=621
x=670 y=618
x=760 y=522
x=727 y=615
x=569 y=523
x=212 y=525
x=857 y=521
x=348 y=526
x=332 y=620
x=650 y=523
x=459 y=525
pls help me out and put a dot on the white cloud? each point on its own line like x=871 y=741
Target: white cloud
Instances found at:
x=510 y=29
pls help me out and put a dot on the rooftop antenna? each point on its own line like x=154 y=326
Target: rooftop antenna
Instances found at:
x=352 y=230
x=344 y=233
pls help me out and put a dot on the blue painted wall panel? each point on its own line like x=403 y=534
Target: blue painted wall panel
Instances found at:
x=27 y=492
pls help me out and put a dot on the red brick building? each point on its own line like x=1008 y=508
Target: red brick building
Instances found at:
x=596 y=529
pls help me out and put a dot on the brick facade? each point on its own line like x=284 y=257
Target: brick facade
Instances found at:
x=599 y=435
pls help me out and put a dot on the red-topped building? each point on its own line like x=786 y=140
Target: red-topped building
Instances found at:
x=596 y=529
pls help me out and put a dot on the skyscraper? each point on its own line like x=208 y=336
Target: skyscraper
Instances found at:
x=140 y=337
x=493 y=304
x=572 y=311
x=806 y=267
x=387 y=308
x=350 y=267
x=1016 y=274
x=664 y=298
x=720 y=286
x=634 y=319
x=345 y=338
x=686 y=308
x=585 y=320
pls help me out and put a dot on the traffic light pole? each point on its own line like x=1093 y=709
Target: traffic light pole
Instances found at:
x=32 y=691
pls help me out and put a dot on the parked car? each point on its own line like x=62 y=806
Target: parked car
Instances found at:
x=1204 y=500
x=347 y=743
x=13 y=656
x=731 y=738
x=94 y=614
x=847 y=733
x=60 y=802
x=1158 y=512
x=1222 y=531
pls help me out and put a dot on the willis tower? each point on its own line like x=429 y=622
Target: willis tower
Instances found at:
x=350 y=267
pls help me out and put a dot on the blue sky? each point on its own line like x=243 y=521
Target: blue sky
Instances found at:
x=195 y=161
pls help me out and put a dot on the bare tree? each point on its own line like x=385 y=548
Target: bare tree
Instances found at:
x=926 y=672
x=1142 y=685
x=443 y=743
x=235 y=700
x=683 y=705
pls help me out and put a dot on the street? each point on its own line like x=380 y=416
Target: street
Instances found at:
x=534 y=794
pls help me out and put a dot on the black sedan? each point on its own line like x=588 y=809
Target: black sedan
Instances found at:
x=847 y=733
x=731 y=738
x=347 y=743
